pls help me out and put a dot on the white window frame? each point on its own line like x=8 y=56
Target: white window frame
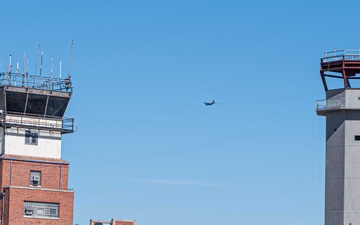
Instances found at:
x=31 y=138
x=41 y=210
x=35 y=178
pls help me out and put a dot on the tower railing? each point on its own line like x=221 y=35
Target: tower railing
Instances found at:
x=338 y=55
x=339 y=103
x=14 y=119
x=36 y=82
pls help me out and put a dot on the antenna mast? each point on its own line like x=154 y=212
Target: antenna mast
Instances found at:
x=17 y=68
x=24 y=68
x=27 y=71
x=52 y=65
x=60 y=68
x=10 y=65
x=41 y=61
x=37 y=59
x=72 y=46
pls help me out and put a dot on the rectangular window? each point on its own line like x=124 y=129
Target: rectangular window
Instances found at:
x=41 y=209
x=31 y=138
x=357 y=137
x=35 y=178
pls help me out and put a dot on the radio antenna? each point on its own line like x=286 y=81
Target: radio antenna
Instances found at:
x=41 y=61
x=23 y=76
x=24 y=63
x=72 y=46
x=60 y=68
x=37 y=59
x=10 y=65
x=27 y=66
x=27 y=71
x=17 y=68
x=52 y=65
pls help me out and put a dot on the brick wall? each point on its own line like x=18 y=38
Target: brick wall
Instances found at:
x=15 y=181
x=14 y=206
x=124 y=223
x=17 y=173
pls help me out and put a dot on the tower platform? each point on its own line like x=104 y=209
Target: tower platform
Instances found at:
x=343 y=64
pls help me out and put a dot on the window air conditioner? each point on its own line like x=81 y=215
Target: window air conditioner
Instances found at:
x=29 y=211
x=35 y=178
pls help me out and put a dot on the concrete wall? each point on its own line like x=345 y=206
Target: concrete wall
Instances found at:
x=352 y=173
x=342 y=195
x=334 y=182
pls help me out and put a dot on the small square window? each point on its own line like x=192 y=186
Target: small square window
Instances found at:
x=357 y=137
x=35 y=178
x=53 y=211
x=31 y=138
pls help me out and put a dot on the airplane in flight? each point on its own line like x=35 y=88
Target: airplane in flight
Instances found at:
x=209 y=103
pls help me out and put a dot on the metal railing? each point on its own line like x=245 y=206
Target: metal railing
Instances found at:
x=36 y=82
x=61 y=124
x=338 y=55
x=340 y=103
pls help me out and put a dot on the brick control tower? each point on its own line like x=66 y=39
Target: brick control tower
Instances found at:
x=342 y=111
x=34 y=178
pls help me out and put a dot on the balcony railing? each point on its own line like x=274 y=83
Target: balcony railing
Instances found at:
x=338 y=55
x=340 y=103
x=36 y=82
x=61 y=124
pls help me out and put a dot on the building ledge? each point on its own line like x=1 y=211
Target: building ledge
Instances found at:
x=323 y=106
x=41 y=217
x=39 y=189
x=33 y=159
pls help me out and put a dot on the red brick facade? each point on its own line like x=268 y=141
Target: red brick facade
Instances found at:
x=124 y=223
x=15 y=182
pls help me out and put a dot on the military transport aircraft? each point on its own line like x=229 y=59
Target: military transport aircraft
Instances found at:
x=209 y=103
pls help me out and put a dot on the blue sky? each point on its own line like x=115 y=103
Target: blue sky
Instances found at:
x=146 y=147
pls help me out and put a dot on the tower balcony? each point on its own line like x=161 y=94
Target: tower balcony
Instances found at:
x=326 y=105
x=40 y=83
x=340 y=65
x=33 y=121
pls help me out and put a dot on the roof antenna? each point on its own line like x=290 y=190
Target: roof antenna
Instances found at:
x=27 y=66
x=10 y=65
x=60 y=69
x=24 y=67
x=41 y=61
x=72 y=46
x=17 y=68
x=51 y=69
x=37 y=59
x=27 y=71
